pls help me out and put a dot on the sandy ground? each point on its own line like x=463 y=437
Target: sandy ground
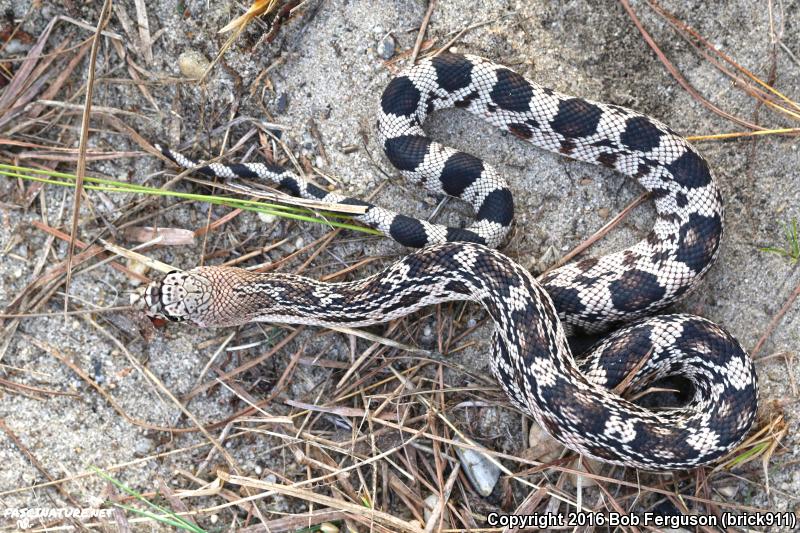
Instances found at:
x=324 y=73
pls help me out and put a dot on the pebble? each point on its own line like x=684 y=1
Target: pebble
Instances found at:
x=139 y=268
x=544 y=448
x=548 y=259
x=427 y=332
x=307 y=141
x=603 y=212
x=386 y=47
x=143 y=446
x=97 y=368
x=214 y=518
x=586 y=482
x=281 y=103
x=480 y=470
x=16 y=47
x=728 y=491
x=192 y=64
x=299 y=243
x=430 y=504
x=327 y=527
x=267 y=218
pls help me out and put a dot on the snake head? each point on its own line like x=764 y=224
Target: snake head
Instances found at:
x=176 y=297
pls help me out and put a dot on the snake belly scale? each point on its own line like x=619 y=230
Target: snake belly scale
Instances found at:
x=530 y=356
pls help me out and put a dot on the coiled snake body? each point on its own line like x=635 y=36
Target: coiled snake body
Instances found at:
x=530 y=356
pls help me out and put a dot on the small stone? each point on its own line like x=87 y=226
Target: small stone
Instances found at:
x=327 y=527
x=728 y=491
x=267 y=218
x=16 y=47
x=603 y=212
x=214 y=518
x=430 y=504
x=308 y=141
x=258 y=470
x=143 y=446
x=543 y=447
x=281 y=103
x=139 y=268
x=386 y=47
x=583 y=481
x=427 y=332
x=547 y=259
x=585 y=181
x=192 y=64
x=349 y=148
x=480 y=470
x=299 y=243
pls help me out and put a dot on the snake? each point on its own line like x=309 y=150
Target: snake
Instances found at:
x=572 y=399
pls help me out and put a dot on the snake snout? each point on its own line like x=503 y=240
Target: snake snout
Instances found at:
x=137 y=298
x=148 y=299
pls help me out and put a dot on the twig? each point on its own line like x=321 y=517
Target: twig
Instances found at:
x=84 y=144
x=774 y=322
x=599 y=234
x=422 y=28
x=678 y=76
x=34 y=461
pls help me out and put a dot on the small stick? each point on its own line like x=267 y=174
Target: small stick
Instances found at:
x=599 y=234
x=62 y=313
x=677 y=75
x=82 y=245
x=422 y=28
x=34 y=461
x=83 y=145
x=774 y=322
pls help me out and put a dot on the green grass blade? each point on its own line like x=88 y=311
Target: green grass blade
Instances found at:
x=112 y=186
x=160 y=518
x=744 y=456
x=129 y=491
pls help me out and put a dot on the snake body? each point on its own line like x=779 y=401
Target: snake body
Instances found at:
x=592 y=294
x=530 y=356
